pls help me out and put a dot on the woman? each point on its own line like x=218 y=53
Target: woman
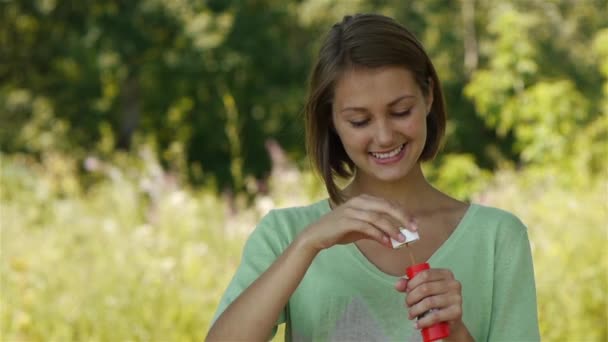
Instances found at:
x=375 y=111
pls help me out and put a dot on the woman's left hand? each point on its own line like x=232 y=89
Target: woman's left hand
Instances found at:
x=437 y=289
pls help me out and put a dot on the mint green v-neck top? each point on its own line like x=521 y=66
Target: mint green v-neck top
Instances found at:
x=344 y=297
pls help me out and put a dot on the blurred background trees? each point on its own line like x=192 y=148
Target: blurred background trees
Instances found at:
x=215 y=79
x=148 y=105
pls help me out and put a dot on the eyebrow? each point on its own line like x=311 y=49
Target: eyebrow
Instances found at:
x=392 y=103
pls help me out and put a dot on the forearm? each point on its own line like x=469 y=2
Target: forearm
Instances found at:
x=253 y=314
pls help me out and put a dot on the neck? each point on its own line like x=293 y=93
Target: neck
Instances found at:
x=411 y=192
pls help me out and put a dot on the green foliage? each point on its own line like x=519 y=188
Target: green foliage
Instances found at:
x=161 y=70
x=457 y=174
x=220 y=78
x=539 y=104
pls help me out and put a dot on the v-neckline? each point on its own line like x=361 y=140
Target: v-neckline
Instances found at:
x=443 y=249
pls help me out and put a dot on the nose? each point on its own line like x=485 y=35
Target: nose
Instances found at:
x=384 y=133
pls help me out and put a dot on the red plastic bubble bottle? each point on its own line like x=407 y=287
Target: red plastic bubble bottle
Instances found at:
x=439 y=330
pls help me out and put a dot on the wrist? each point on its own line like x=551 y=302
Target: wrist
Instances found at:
x=459 y=333
x=306 y=245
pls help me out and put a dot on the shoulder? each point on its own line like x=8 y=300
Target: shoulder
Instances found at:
x=280 y=226
x=501 y=221
x=296 y=218
x=499 y=228
x=300 y=213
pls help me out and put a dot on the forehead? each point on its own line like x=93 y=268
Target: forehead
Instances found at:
x=365 y=87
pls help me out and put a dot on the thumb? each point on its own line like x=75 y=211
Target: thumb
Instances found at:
x=401 y=285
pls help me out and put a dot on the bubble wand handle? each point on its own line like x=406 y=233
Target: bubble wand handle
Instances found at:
x=439 y=330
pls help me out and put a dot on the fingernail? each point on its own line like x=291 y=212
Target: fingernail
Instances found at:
x=416 y=326
x=401 y=237
x=413 y=224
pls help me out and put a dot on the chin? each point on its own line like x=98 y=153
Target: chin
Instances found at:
x=389 y=176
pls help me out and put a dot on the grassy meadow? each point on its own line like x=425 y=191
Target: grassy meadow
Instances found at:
x=132 y=253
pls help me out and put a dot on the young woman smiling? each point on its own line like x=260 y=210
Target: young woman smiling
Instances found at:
x=375 y=112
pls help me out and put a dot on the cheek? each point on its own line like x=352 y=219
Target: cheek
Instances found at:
x=350 y=137
x=353 y=141
x=416 y=126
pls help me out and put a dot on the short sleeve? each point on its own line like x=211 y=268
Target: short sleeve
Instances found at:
x=514 y=308
x=262 y=248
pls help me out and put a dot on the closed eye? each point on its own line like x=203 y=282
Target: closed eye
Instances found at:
x=360 y=123
x=404 y=113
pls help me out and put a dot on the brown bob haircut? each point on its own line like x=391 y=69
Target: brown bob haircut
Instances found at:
x=371 y=41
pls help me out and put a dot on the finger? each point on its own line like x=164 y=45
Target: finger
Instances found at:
x=451 y=313
x=433 y=302
x=382 y=205
x=430 y=275
x=368 y=202
x=413 y=224
x=373 y=233
x=394 y=223
x=401 y=285
x=379 y=220
x=425 y=290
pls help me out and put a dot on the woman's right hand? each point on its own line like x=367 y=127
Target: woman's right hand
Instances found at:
x=361 y=217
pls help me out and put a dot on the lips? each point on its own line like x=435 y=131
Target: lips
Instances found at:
x=389 y=154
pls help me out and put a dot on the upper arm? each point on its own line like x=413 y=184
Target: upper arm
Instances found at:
x=514 y=308
x=261 y=250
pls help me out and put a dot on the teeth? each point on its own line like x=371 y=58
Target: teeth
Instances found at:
x=388 y=154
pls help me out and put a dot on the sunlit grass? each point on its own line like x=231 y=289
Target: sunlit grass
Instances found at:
x=110 y=263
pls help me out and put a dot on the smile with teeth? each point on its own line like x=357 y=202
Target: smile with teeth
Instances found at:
x=389 y=154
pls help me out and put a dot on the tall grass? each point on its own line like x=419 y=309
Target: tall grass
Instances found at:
x=134 y=257
x=132 y=253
